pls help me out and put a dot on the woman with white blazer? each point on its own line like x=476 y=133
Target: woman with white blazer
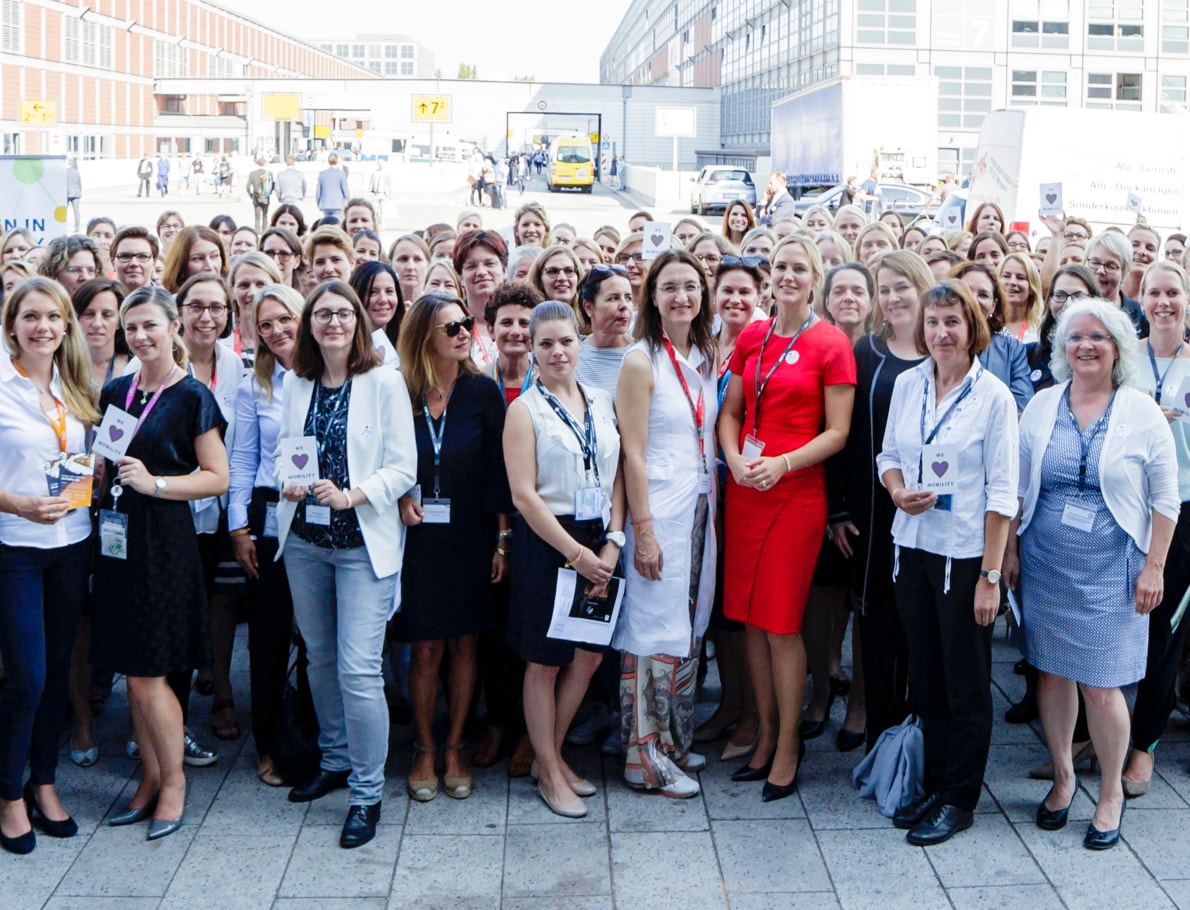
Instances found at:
x=1099 y=491
x=343 y=540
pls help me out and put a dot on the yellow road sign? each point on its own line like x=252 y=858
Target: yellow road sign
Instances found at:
x=434 y=108
x=39 y=111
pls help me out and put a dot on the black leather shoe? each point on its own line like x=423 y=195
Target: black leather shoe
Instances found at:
x=68 y=827
x=943 y=824
x=1052 y=819
x=748 y=774
x=908 y=816
x=846 y=741
x=319 y=786
x=360 y=826
x=1104 y=840
x=811 y=729
x=773 y=792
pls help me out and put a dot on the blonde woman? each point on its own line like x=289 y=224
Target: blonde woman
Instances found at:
x=1020 y=283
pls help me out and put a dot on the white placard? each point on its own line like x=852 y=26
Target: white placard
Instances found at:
x=1051 y=200
x=577 y=618
x=297 y=461
x=114 y=434
x=1134 y=204
x=940 y=468
x=658 y=238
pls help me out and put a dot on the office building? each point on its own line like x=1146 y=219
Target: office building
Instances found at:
x=385 y=55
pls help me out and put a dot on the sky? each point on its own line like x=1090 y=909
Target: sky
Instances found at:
x=527 y=42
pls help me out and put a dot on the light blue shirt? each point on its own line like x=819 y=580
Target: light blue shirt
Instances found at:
x=258 y=428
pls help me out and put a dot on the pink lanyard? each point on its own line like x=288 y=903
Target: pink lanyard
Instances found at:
x=152 y=401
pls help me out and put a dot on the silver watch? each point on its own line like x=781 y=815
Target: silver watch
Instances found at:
x=158 y=487
x=616 y=537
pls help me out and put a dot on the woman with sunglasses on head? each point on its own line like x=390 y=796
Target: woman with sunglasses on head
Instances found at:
x=480 y=258
x=342 y=542
x=806 y=393
x=666 y=405
x=560 y=441
x=459 y=526
x=252 y=516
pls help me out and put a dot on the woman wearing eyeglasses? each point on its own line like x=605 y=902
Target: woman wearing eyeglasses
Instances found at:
x=556 y=273
x=1070 y=283
x=459 y=526
x=342 y=542
x=1109 y=256
x=628 y=254
x=284 y=248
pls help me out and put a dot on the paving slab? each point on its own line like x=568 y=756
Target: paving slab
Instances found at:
x=556 y=861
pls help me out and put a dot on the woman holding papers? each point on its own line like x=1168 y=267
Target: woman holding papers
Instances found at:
x=46 y=405
x=949 y=463
x=162 y=435
x=562 y=450
x=347 y=432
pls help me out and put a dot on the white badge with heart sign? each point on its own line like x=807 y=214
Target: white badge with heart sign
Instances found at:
x=658 y=235
x=1051 y=200
x=1180 y=401
x=297 y=461
x=940 y=468
x=114 y=434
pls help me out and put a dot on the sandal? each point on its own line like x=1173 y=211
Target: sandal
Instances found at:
x=488 y=752
x=457 y=787
x=223 y=722
x=521 y=761
x=425 y=789
x=266 y=772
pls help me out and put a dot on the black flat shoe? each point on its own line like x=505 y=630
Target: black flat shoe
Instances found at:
x=748 y=774
x=360 y=826
x=1104 y=840
x=943 y=824
x=68 y=827
x=773 y=792
x=319 y=786
x=846 y=741
x=908 y=816
x=1053 y=819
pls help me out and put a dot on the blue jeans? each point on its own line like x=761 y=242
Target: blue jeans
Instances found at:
x=341 y=609
x=41 y=599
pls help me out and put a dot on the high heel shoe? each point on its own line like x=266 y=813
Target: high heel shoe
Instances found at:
x=21 y=845
x=731 y=751
x=773 y=792
x=748 y=774
x=163 y=827
x=1053 y=819
x=457 y=787
x=130 y=816
x=812 y=729
x=68 y=827
x=1095 y=839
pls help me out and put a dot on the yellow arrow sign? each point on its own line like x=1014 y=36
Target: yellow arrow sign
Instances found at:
x=431 y=108
x=39 y=111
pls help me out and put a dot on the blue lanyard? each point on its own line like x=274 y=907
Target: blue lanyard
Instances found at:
x=524 y=385
x=1159 y=378
x=435 y=441
x=925 y=400
x=1085 y=441
x=585 y=434
x=761 y=385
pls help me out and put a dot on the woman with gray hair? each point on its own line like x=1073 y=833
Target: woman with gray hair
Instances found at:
x=1099 y=492
x=72 y=260
x=520 y=263
x=1109 y=256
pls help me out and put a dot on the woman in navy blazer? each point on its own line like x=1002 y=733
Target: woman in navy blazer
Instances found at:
x=343 y=540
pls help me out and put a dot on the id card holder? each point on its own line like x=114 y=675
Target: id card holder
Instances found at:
x=113 y=534
x=435 y=511
x=588 y=503
x=270 y=520
x=704 y=483
x=317 y=514
x=752 y=447
x=1076 y=515
x=944 y=502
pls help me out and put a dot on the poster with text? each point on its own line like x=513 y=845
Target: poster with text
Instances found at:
x=33 y=195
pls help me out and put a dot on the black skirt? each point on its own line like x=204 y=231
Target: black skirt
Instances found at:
x=535 y=566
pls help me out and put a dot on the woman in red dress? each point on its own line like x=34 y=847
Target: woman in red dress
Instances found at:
x=787 y=409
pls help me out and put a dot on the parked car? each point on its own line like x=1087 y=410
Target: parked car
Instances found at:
x=894 y=197
x=716 y=187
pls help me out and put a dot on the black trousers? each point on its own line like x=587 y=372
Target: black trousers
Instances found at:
x=1155 y=693
x=885 y=654
x=501 y=671
x=950 y=659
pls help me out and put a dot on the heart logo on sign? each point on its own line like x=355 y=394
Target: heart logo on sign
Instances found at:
x=300 y=461
x=1188 y=401
x=656 y=238
x=115 y=432
x=940 y=467
x=1051 y=198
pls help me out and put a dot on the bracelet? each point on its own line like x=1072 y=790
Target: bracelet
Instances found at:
x=572 y=563
x=505 y=534
x=239 y=532
x=788 y=466
x=500 y=551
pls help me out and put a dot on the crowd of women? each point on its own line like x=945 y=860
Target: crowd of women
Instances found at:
x=412 y=451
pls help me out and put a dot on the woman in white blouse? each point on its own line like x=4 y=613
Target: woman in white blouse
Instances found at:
x=949 y=462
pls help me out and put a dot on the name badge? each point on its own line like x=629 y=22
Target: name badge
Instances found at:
x=704 y=483
x=435 y=511
x=270 y=520
x=113 y=534
x=588 y=503
x=1078 y=516
x=752 y=447
x=114 y=434
x=940 y=468
x=317 y=514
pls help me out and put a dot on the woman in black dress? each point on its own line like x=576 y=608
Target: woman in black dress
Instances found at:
x=458 y=520
x=150 y=615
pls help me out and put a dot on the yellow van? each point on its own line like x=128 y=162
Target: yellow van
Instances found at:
x=571 y=164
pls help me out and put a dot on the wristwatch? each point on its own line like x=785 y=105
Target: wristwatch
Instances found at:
x=158 y=487
x=992 y=575
x=616 y=537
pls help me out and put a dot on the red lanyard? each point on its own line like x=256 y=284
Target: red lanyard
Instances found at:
x=152 y=401
x=696 y=411
x=58 y=422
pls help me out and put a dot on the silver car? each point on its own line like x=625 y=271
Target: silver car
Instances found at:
x=717 y=186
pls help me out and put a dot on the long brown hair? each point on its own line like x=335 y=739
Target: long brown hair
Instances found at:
x=417 y=334
x=177 y=261
x=308 y=362
x=648 y=318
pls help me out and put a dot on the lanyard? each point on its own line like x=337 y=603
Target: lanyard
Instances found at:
x=1086 y=441
x=152 y=401
x=214 y=372
x=1159 y=378
x=528 y=381
x=436 y=441
x=762 y=385
x=585 y=434
x=58 y=421
x=697 y=411
x=925 y=400
x=111 y=366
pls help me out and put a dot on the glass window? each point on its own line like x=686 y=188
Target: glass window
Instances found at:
x=357 y=50
x=407 y=51
x=391 y=50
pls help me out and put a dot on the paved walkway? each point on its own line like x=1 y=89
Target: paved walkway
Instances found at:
x=245 y=846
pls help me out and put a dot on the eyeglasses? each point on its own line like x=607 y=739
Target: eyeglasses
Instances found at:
x=324 y=317
x=279 y=255
x=747 y=262
x=1074 y=235
x=88 y=270
x=708 y=258
x=1106 y=265
x=129 y=257
x=1062 y=296
x=281 y=322
x=171 y=226
x=217 y=310
x=552 y=272
x=452 y=329
x=692 y=289
x=1094 y=338
x=631 y=257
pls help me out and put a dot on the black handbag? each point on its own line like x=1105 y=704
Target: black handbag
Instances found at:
x=296 y=756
